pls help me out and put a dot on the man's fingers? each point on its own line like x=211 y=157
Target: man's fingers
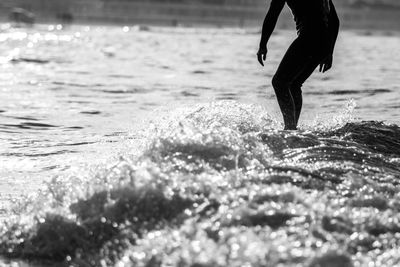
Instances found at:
x=259 y=57
x=262 y=56
x=327 y=67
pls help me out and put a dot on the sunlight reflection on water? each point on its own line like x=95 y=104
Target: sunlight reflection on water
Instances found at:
x=79 y=99
x=95 y=85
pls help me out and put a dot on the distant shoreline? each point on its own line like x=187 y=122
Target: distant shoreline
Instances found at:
x=173 y=14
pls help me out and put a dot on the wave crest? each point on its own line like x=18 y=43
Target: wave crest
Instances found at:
x=222 y=187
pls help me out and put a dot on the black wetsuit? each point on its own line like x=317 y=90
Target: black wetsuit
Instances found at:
x=317 y=27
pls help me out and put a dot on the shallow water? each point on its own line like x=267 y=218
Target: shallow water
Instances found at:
x=161 y=146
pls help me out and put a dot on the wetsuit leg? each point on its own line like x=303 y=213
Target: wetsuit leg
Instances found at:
x=297 y=83
x=296 y=66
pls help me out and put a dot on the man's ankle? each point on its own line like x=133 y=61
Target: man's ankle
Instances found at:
x=290 y=127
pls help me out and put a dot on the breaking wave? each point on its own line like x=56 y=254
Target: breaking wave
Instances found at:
x=220 y=185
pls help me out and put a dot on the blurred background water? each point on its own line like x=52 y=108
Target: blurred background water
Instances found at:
x=361 y=14
x=77 y=101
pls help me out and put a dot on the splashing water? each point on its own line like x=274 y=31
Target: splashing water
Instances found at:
x=322 y=123
x=221 y=186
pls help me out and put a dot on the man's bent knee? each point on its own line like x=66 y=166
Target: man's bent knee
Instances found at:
x=280 y=84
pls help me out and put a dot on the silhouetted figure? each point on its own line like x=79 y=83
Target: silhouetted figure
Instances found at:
x=317 y=27
x=21 y=16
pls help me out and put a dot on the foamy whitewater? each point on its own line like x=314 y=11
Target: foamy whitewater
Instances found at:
x=142 y=146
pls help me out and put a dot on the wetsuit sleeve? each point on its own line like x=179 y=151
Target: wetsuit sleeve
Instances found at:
x=270 y=21
x=333 y=27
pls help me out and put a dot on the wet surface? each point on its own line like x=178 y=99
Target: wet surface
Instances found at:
x=126 y=147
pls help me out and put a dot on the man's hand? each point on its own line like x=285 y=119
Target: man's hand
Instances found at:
x=326 y=64
x=262 y=55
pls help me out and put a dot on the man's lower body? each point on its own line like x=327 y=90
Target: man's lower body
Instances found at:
x=299 y=62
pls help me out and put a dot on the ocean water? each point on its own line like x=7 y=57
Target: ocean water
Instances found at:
x=146 y=146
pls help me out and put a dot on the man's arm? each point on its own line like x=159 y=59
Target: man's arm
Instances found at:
x=333 y=28
x=268 y=27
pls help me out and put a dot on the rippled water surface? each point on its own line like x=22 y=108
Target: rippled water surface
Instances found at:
x=162 y=147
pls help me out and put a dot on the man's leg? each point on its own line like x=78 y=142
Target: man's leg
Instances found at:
x=285 y=101
x=296 y=85
x=291 y=66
